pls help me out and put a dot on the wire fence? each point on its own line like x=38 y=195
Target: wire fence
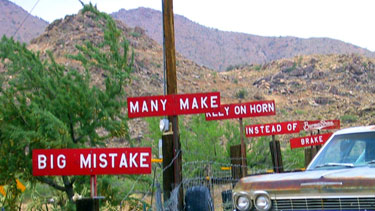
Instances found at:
x=217 y=174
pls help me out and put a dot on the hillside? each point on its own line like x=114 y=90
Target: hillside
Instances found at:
x=220 y=50
x=12 y=16
x=304 y=88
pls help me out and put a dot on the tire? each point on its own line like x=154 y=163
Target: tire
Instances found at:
x=198 y=198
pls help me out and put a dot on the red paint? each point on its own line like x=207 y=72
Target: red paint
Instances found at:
x=273 y=129
x=170 y=105
x=91 y=161
x=309 y=140
x=320 y=125
x=243 y=110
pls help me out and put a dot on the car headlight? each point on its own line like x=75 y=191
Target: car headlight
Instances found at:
x=263 y=202
x=243 y=203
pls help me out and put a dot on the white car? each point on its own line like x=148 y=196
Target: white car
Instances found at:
x=340 y=177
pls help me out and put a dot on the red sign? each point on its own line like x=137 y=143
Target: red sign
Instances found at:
x=170 y=105
x=91 y=161
x=321 y=125
x=309 y=140
x=272 y=129
x=242 y=110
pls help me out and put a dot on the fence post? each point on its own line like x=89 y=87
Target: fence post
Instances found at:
x=277 y=160
x=168 y=179
x=236 y=161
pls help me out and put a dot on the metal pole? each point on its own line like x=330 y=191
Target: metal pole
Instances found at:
x=93 y=185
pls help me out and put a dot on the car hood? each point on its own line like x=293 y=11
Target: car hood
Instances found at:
x=347 y=181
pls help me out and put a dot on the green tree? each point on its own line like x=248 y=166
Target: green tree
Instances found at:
x=46 y=105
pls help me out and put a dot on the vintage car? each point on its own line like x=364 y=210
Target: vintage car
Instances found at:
x=340 y=177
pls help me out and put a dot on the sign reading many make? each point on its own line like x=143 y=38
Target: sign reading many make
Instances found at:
x=243 y=110
x=170 y=105
x=91 y=161
x=309 y=140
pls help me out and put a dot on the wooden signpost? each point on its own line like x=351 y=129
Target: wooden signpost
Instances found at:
x=239 y=111
x=173 y=105
x=273 y=129
x=316 y=125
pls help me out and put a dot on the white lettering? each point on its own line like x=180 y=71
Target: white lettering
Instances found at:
x=273 y=129
x=259 y=108
x=132 y=159
x=267 y=129
x=195 y=103
x=203 y=102
x=85 y=163
x=265 y=109
x=123 y=161
x=252 y=109
x=214 y=102
x=184 y=105
x=144 y=106
x=51 y=161
x=42 y=161
x=261 y=128
x=142 y=160
x=61 y=162
x=163 y=103
x=113 y=155
x=243 y=109
x=154 y=105
x=236 y=110
x=103 y=161
x=278 y=128
x=271 y=107
x=134 y=108
x=226 y=108
x=295 y=126
x=250 y=130
x=94 y=160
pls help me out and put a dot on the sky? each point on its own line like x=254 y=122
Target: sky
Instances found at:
x=351 y=21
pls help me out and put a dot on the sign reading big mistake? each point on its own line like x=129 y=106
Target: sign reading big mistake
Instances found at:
x=56 y=162
x=170 y=105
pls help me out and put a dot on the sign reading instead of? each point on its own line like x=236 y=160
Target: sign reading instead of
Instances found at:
x=243 y=110
x=91 y=161
x=170 y=105
x=272 y=129
x=309 y=140
x=321 y=125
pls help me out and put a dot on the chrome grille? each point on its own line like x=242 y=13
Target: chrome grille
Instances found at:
x=324 y=204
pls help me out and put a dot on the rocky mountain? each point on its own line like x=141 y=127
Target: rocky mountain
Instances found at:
x=303 y=87
x=18 y=23
x=221 y=50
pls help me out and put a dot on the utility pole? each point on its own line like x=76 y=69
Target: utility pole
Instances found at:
x=172 y=177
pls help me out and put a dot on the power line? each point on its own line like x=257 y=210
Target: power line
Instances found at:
x=27 y=16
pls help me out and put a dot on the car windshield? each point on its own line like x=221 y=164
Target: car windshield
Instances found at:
x=347 y=151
